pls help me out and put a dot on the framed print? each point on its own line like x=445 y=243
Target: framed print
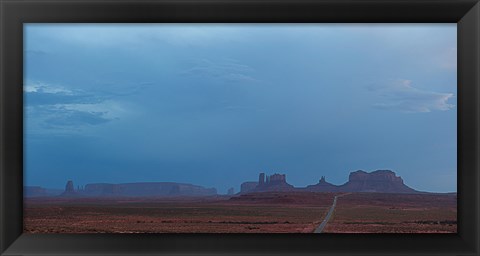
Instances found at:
x=233 y=127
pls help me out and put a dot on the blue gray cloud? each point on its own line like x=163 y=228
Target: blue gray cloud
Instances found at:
x=53 y=107
x=35 y=52
x=76 y=117
x=402 y=96
x=226 y=70
x=48 y=98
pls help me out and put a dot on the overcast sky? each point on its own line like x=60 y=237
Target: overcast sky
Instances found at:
x=215 y=104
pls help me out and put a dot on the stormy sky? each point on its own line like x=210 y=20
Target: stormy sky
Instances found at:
x=215 y=104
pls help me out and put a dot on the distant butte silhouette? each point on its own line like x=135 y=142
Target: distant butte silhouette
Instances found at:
x=383 y=181
x=69 y=190
x=142 y=189
x=380 y=181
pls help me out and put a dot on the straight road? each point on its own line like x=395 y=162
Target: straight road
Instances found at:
x=322 y=225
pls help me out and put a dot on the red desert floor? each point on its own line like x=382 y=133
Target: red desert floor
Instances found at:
x=282 y=212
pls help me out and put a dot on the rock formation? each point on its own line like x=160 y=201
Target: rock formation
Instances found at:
x=37 y=191
x=69 y=190
x=384 y=181
x=147 y=189
x=261 y=179
x=275 y=182
x=248 y=186
x=34 y=191
x=381 y=181
x=378 y=181
x=69 y=187
x=322 y=186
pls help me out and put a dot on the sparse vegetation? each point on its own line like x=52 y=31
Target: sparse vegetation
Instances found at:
x=279 y=212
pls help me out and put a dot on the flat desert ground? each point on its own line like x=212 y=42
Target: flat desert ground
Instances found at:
x=394 y=213
x=270 y=212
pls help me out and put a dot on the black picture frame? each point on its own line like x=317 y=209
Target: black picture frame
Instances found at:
x=13 y=13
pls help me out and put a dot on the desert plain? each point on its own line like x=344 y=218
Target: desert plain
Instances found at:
x=266 y=212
